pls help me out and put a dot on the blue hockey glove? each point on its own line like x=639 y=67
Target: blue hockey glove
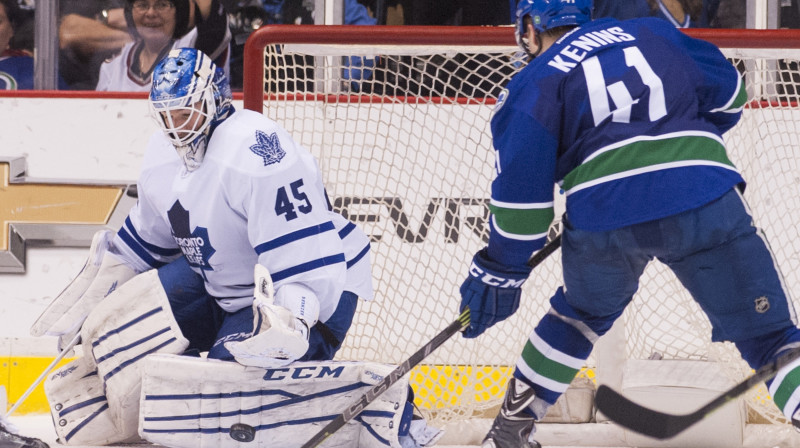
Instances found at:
x=491 y=292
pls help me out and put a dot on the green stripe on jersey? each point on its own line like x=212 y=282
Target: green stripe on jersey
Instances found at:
x=741 y=97
x=787 y=387
x=547 y=367
x=642 y=154
x=530 y=221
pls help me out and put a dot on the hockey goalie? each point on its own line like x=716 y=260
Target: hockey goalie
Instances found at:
x=182 y=345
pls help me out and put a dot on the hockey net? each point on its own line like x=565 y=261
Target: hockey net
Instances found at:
x=406 y=153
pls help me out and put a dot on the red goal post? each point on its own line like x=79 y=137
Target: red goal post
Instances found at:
x=254 y=67
x=406 y=153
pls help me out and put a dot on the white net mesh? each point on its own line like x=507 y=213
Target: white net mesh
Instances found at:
x=407 y=155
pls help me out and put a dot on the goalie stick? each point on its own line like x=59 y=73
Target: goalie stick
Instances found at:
x=661 y=425
x=457 y=325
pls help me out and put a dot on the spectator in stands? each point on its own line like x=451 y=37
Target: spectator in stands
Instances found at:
x=89 y=33
x=249 y=15
x=458 y=12
x=477 y=74
x=16 y=47
x=790 y=14
x=681 y=13
x=621 y=10
x=298 y=12
x=16 y=66
x=730 y=14
x=159 y=26
x=301 y=12
x=24 y=29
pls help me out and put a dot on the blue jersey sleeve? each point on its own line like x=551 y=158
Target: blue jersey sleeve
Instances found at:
x=356 y=14
x=522 y=191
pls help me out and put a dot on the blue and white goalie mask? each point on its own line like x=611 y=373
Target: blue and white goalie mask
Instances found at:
x=189 y=97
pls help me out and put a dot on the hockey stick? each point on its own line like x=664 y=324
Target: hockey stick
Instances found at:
x=46 y=371
x=457 y=325
x=662 y=425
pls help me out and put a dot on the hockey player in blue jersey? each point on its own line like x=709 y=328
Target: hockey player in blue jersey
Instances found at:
x=627 y=117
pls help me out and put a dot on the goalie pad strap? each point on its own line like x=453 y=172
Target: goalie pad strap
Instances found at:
x=327 y=334
x=80 y=410
x=284 y=406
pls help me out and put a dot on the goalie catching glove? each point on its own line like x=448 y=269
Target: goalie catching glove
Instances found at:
x=282 y=321
x=492 y=292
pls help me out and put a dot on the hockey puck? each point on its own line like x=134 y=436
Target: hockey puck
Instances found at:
x=243 y=433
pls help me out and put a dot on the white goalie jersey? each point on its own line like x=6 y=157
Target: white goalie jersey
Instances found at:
x=258 y=197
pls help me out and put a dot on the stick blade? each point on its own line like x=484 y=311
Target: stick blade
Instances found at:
x=638 y=418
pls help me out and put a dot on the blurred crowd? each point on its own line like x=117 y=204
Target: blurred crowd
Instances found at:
x=113 y=45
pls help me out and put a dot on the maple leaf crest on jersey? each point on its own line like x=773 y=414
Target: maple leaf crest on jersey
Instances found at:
x=195 y=245
x=268 y=147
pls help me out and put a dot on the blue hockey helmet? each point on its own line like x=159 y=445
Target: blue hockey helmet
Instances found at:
x=548 y=14
x=189 y=97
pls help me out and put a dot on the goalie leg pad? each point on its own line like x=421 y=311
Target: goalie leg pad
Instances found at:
x=79 y=408
x=284 y=406
x=57 y=318
x=131 y=323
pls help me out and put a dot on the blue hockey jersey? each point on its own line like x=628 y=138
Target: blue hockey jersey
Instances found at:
x=626 y=117
x=16 y=71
